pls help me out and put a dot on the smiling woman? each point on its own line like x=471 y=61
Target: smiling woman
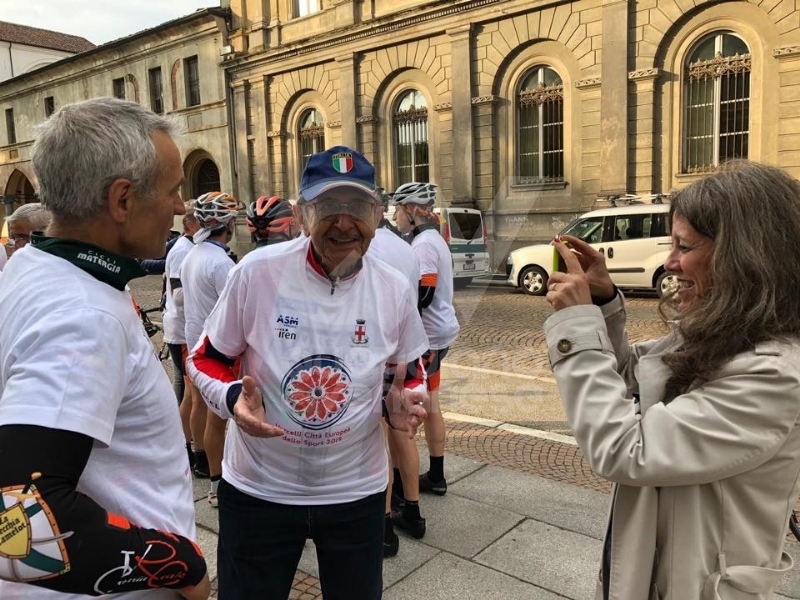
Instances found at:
x=707 y=413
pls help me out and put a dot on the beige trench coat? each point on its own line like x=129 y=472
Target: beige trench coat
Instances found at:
x=703 y=485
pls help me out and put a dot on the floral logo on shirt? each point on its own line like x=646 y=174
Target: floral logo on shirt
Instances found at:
x=318 y=390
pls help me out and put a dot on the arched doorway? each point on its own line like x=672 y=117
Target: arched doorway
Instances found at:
x=19 y=190
x=206 y=178
x=201 y=173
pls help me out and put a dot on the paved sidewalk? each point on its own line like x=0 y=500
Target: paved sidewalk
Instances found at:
x=523 y=519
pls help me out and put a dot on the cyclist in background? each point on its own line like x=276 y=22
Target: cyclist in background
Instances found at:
x=175 y=324
x=414 y=214
x=270 y=220
x=202 y=275
x=24 y=221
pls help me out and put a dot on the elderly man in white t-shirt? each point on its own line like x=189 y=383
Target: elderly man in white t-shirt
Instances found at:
x=314 y=321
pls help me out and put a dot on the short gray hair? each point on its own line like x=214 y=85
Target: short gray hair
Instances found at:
x=81 y=149
x=36 y=215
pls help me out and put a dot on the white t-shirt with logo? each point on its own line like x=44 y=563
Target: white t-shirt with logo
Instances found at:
x=439 y=317
x=74 y=356
x=203 y=274
x=317 y=351
x=174 y=321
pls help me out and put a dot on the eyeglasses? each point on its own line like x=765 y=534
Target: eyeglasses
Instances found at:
x=325 y=208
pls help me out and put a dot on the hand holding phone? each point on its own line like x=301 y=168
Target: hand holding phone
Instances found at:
x=558 y=261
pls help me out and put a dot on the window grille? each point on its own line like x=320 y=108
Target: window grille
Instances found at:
x=717 y=103
x=540 y=127
x=411 y=138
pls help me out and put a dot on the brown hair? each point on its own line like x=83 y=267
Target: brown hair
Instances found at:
x=752 y=213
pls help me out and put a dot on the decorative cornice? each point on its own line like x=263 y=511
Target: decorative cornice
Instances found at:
x=276 y=134
x=485 y=99
x=333 y=124
x=443 y=106
x=786 y=51
x=367 y=119
x=644 y=74
x=587 y=83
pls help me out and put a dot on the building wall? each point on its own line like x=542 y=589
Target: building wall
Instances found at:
x=206 y=132
x=621 y=64
x=16 y=59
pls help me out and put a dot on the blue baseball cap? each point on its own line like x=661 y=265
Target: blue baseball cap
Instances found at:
x=339 y=166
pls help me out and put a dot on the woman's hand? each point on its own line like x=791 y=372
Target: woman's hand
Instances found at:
x=586 y=277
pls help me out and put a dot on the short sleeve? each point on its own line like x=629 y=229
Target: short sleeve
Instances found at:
x=224 y=326
x=68 y=372
x=428 y=259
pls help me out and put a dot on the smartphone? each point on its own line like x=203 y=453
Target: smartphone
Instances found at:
x=558 y=262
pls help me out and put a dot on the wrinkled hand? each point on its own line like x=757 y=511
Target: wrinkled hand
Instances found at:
x=249 y=414
x=406 y=410
x=199 y=592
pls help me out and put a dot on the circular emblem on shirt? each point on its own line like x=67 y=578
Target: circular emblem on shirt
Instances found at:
x=318 y=390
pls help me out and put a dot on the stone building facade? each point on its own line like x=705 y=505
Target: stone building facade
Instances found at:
x=531 y=111
x=173 y=69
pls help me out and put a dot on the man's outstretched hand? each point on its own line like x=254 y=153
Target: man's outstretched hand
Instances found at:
x=249 y=414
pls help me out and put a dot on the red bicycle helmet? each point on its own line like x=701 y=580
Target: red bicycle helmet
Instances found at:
x=269 y=215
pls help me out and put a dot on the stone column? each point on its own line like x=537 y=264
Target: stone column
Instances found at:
x=462 y=141
x=243 y=175
x=614 y=99
x=347 y=100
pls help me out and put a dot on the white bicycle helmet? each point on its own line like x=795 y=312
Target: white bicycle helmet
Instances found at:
x=423 y=194
x=215 y=209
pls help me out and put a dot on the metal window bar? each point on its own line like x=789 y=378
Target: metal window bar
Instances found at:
x=156 y=93
x=312 y=141
x=193 y=81
x=717 y=112
x=541 y=134
x=411 y=145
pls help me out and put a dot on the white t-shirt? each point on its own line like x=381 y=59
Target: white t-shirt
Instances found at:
x=203 y=274
x=317 y=352
x=439 y=317
x=74 y=356
x=394 y=251
x=174 y=321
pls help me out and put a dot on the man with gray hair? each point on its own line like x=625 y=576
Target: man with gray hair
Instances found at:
x=94 y=480
x=24 y=221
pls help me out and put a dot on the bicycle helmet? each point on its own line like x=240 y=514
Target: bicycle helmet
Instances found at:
x=215 y=209
x=423 y=194
x=269 y=215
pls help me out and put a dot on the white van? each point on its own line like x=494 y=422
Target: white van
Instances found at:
x=465 y=232
x=635 y=239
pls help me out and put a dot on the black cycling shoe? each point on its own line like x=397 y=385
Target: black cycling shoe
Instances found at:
x=397 y=501
x=391 y=543
x=426 y=484
x=415 y=527
x=200 y=468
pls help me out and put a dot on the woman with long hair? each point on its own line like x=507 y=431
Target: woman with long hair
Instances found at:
x=696 y=430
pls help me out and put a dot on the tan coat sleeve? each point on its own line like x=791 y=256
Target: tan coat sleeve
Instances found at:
x=725 y=427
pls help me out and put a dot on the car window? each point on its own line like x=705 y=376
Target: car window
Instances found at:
x=639 y=226
x=465 y=226
x=589 y=230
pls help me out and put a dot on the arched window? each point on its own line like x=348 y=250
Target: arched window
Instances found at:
x=411 y=138
x=540 y=126
x=207 y=178
x=717 y=102
x=311 y=133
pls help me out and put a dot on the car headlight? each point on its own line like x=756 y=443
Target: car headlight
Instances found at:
x=509 y=260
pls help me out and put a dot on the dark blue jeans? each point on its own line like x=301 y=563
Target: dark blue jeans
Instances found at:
x=260 y=544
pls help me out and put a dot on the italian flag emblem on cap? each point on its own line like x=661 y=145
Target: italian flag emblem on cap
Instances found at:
x=343 y=162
